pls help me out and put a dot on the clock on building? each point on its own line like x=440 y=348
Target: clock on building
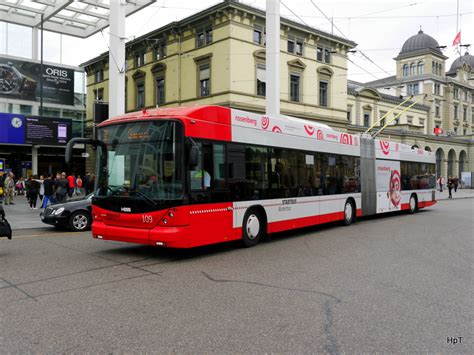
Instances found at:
x=16 y=122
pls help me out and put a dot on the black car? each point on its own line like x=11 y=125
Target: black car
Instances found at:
x=75 y=214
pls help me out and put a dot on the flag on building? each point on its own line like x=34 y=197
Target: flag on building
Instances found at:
x=457 y=39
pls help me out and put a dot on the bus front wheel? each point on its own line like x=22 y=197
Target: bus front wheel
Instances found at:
x=413 y=204
x=349 y=213
x=253 y=228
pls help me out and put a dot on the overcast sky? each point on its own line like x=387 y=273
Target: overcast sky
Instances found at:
x=378 y=27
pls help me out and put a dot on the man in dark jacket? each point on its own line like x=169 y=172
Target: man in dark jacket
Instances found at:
x=62 y=188
x=86 y=181
x=48 y=184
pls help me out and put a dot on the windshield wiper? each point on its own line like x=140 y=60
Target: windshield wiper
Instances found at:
x=122 y=188
x=146 y=198
x=117 y=189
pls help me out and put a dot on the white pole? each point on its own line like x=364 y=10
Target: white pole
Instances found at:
x=34 y=43
x=34 y=160
x=117 y=58
x=273 y=58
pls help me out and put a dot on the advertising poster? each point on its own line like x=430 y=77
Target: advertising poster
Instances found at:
x=47 y=131
x=21 y=80
x=388 y=182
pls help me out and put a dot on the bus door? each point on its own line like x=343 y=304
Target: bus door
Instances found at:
x=388 y=183
x=210 y=216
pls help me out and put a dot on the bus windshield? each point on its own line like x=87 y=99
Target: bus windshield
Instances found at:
x=144 y=160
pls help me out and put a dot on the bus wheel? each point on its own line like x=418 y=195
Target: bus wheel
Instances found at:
x=253 y=228
x=412 y=206
x=349 y=213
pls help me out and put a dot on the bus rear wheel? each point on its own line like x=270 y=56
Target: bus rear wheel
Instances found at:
x=413 y=204
x=349 y=213
x=253 y=228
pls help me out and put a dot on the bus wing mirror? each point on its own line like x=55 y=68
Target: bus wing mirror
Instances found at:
x=94 y=142
x=193 y=156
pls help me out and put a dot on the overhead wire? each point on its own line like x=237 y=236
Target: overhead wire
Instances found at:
x=342 y=33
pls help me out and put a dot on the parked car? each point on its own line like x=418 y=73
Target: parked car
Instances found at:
x=75 y=214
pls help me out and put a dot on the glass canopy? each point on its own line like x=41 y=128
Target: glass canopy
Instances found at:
x=76 y=18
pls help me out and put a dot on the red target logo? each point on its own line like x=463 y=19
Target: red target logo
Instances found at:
x=309 y=129
x=319 y=135
x=276 y=129
x=265 y=122
x=385 y=147
x=395 y=184
x=346 y=138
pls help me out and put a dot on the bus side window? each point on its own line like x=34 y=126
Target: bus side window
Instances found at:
x=218 y=178
x=236 y=171
x=199 y=178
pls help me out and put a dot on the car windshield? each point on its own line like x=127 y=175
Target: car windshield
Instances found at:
x=144 y=161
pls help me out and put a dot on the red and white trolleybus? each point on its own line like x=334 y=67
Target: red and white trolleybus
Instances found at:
x=190 y=176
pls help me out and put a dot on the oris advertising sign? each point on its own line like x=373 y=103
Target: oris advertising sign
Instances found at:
x=21 y=80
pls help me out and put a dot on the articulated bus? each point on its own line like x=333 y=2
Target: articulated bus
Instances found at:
x=191 y=176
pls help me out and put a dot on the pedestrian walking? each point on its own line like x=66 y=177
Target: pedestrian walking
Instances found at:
x=440 y=183
x=91 y=183
x=9 y=186
x=48 y=185
x=72 y=184
x=456 y=183
x=41 y=190
x=20 y=186
x=450 y=187
x=62 y=188
x=78 y=185
x=86 y=183
x=33 y=191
